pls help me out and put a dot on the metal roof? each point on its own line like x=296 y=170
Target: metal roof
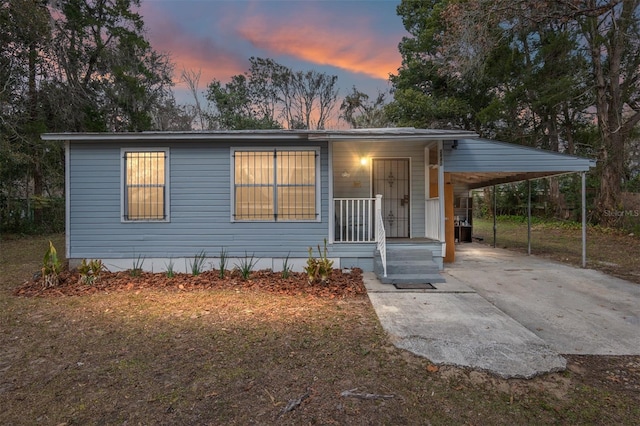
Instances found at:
x=389 y=133
x=479 y=163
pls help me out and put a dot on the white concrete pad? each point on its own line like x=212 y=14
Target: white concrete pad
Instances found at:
x=460 y=328
x=574 y=310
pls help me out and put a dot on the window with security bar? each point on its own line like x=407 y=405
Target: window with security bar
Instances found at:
x=275 y=185
x=145 y=192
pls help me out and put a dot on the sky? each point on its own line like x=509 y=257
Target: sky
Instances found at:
x=357 y=40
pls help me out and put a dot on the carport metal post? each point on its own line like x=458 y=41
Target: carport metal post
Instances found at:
x=529 y=219
x=495 y=209
x=584 y=219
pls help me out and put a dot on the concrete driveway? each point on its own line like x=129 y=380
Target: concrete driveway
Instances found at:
x=574 y=310
x=511 y=314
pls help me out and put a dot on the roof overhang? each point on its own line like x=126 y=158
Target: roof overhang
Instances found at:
x=479 y=163
x=354 y=135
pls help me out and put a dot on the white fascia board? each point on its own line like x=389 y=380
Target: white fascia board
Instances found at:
x=168 y=136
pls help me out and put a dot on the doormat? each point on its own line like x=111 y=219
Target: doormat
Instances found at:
x=414 y=286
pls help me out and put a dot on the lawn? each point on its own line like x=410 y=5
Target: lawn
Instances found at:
x=149 y=355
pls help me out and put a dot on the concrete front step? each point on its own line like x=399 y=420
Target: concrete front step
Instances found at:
x=401 y=253
x=408 y=265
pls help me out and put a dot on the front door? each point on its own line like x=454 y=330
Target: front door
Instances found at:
x=391 y=179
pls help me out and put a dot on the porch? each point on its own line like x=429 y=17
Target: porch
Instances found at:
x=360 y=240
x=385 y=197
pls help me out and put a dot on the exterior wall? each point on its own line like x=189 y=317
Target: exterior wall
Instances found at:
x=346 y=158
x=200 y=195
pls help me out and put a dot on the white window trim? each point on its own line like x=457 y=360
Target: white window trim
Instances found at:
x=232 y=191
x=123 y=182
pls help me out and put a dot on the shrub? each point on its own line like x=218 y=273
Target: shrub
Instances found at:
x=90 y=271
x=51 y=267
x=320 y=268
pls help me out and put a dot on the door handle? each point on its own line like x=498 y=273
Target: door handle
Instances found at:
x=404 y=201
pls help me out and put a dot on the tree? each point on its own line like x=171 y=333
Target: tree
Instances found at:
x=271 y=95
x=607 y=34
x=105 y=67
x=235 y=106
x=425 y=94
x=69 y=65
x=359 y=112
x=25 y=33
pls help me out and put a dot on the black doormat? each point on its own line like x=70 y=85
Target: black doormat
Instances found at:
x=414 y=286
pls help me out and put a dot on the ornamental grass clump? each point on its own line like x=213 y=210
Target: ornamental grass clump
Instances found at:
x=223 y=262
x=197 y=265
x=136 y=269
x=170 y=271
x=246 y=265
x=286 y=268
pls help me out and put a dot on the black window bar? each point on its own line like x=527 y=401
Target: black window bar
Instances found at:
x=275 y=185
x=145 y=188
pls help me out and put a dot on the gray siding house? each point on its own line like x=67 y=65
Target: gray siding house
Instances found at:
x=169 y=196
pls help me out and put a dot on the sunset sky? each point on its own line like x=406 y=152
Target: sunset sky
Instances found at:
x=357 y=40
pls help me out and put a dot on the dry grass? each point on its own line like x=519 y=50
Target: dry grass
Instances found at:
x=154 y=356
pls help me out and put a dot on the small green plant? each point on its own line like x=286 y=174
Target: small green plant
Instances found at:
x=170 y=272
x=320 y=268
x=197 y=265
x=136 y=269
x=90 y=271
x=286 y=268
x=246 y=265
x=51 y=267
x=224 y=260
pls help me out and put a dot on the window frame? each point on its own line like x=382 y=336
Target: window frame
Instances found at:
x=273 y=149
x=123 y=185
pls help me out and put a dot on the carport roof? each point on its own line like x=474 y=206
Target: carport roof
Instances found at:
x=478 y=163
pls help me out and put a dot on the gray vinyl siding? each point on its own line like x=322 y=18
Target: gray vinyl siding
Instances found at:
x=200 y=211
x=346 y=157
x=481 y=155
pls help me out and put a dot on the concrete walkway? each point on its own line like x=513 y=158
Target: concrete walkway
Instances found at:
x=510 y=314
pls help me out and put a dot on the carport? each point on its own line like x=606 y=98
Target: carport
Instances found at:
x=479 y=163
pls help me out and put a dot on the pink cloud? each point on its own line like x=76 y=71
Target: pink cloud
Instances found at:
x=190 y=52
x=355 y=48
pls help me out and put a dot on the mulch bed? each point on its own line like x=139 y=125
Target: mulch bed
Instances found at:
x=341 y=284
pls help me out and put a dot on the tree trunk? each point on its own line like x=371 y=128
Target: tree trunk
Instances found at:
x=612 y=159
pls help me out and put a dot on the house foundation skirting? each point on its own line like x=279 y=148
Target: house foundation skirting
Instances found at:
x=183 y=264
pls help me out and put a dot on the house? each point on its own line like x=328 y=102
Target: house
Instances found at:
x=165 y=197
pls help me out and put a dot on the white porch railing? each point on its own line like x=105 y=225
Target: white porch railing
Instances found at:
x=381 y=234
x=354 y=220
x=432 y=219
